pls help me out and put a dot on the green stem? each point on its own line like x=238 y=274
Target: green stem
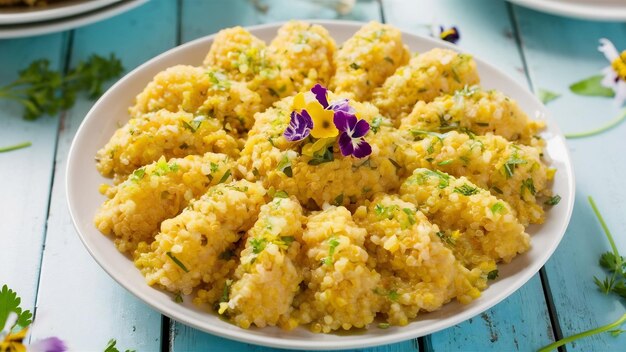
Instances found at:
x=606 y=229
x=597 y=330
x=616 y=121
x=15 y=147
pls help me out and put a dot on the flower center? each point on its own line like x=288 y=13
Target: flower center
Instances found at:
x=325 y=124
x=619 y=65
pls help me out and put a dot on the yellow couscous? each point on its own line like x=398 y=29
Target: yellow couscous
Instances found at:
x=248 y=186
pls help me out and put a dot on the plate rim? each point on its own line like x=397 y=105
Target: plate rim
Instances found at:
x=404 y=333
x=579 y=11
x=51 y=12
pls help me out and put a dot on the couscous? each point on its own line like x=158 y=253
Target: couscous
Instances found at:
x=248 y=187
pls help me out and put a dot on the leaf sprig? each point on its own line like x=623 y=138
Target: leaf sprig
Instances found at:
x=42 y=90
x=10 y=303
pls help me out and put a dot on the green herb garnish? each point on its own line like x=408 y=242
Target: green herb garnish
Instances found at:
x=178 y=298
x=547 y=96
x=355 y=66
x=492 y=275
x=332 y=246
x=466 y=190
x=281 y=194
x=15 y=147
x=219 y=80
x=138 y=174
x=258 y=245
x=177 y=262
x=529 y=185
x=42 y=90
x=110 y=347
x=225 y=177
x=592 y=86
x=10 y=303
x=325 y=157
x=285 y=166
x=497 y=208
x=339 y=200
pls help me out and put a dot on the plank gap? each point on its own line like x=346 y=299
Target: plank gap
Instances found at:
x=422 y=344
x=518 y=40
x=66 y=53
x=179 y=22
x=381 y=9
x=554 y=319
x=166 y=334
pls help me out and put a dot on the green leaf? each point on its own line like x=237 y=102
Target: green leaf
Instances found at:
x=177 y=261
x=592 y=86
x=547 y=96
x=10 y=303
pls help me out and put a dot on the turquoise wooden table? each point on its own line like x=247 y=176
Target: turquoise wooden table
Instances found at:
x=73 y=298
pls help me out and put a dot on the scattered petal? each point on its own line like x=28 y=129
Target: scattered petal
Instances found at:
x=299 y=127
x=342 y=105
x=299 y=102
x=451 y=35
x=50 y=344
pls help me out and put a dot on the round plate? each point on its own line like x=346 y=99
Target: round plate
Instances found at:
x=58 y=9
x=601 y=10
x=111 y=110
x=65 y=23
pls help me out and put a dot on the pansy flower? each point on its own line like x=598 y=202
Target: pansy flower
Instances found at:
x=351 y=141
x=451 y=35
x=615 y=74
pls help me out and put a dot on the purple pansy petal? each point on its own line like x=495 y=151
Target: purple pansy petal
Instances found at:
x=361 y=148
x=345 y=144
x=343 y=121
x=320 y=94
x=300 y=126
x=360 y=129
x=50 y=344
x=341 y=105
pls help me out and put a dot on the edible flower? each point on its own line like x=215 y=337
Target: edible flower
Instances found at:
x=351 y=141
x=324 y=121
x=451 y=34
x=615 y=74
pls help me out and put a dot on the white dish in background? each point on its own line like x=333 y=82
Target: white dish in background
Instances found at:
x=111 y=109
x=62 y=24
x=601 y=10
x=58 y=9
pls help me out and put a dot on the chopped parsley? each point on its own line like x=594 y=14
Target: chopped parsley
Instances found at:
x=409 y=215
x=162 y=168
x=384 y=212
x=225 y=176
x=178 y=297
x=389 y=60
x=281 y=194
x=466 y=190
x=492 y=275
x=137 y=175
x=338 y=200
x=226 y=291
x=177 y=262
x=219 y=80
x=529 y=185
x=444 y=179
x=258 y=245
x=497 y=208
x=445 y=162
x=194 y=124
x=355 y=66
x=285 y=166
x=332 y=247
x=553 y=200
x=511 y=164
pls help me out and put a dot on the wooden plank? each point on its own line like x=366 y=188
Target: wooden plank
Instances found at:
x=26 y=173
x=487 y=32
x=561 y=51
x=77 y=300
x=194 y=25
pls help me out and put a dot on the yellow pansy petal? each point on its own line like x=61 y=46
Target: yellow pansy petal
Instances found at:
x=323 y=125
x=299 y=102
x=311 y=148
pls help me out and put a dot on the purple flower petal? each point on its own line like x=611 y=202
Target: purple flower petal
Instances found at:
x=50 y=344
x=320 y=94
x=361 y=148
x=342 y=105
x=344 y=122
x=451 y=35
x=345 y=144
x=300 y=126
x=360 y=129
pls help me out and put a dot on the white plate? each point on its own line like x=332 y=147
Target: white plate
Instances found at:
x=102 y=120
x=58 y=9
x=61 y=24
x=602 y=10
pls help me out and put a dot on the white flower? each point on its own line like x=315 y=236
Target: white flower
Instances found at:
x=611 y=73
